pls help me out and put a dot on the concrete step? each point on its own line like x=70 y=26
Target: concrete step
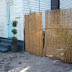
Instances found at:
x=6 y=41
x=3 y=50
x=2 y=44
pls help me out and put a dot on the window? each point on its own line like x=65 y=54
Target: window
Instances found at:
x=55 y=4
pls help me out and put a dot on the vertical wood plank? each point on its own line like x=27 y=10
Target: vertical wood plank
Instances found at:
x=34 y=34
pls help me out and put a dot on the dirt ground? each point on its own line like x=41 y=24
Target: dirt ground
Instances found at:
x=25 y=62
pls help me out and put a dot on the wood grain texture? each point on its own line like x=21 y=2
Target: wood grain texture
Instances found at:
x=58 y=34
x=34 y=34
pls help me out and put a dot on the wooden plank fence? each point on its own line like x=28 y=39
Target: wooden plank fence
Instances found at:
x=34 y=34
x=58 y=34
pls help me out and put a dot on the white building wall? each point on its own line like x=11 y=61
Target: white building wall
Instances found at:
x=44 y=5
x=3 y=19
x=35 y=5
x=65 y=4
x=21 y=7
x=30 y=5
x=19 y=16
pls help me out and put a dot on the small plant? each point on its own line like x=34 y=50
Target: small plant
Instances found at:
x=14 y=46
x=14 y=40
x=14 y=31
x=15 y=23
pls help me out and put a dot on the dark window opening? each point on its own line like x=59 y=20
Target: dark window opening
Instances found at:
x=55 y=4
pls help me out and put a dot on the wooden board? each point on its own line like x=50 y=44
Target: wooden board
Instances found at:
x=34 y=34
x=58 y=35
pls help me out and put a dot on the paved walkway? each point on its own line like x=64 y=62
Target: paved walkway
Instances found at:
x=25 y=62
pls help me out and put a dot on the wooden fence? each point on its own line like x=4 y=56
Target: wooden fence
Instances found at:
x=58 y=34
x=34 y=34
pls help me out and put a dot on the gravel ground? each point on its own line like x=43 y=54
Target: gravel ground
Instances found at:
x=25 y=62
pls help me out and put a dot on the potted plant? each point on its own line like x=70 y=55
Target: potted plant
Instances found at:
x=14 y=45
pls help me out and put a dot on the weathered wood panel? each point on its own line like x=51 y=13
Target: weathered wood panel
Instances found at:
x=34 y=34
x=58 y=35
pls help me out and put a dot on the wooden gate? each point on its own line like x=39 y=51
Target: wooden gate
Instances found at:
x=58 y=34
x=34 y=34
